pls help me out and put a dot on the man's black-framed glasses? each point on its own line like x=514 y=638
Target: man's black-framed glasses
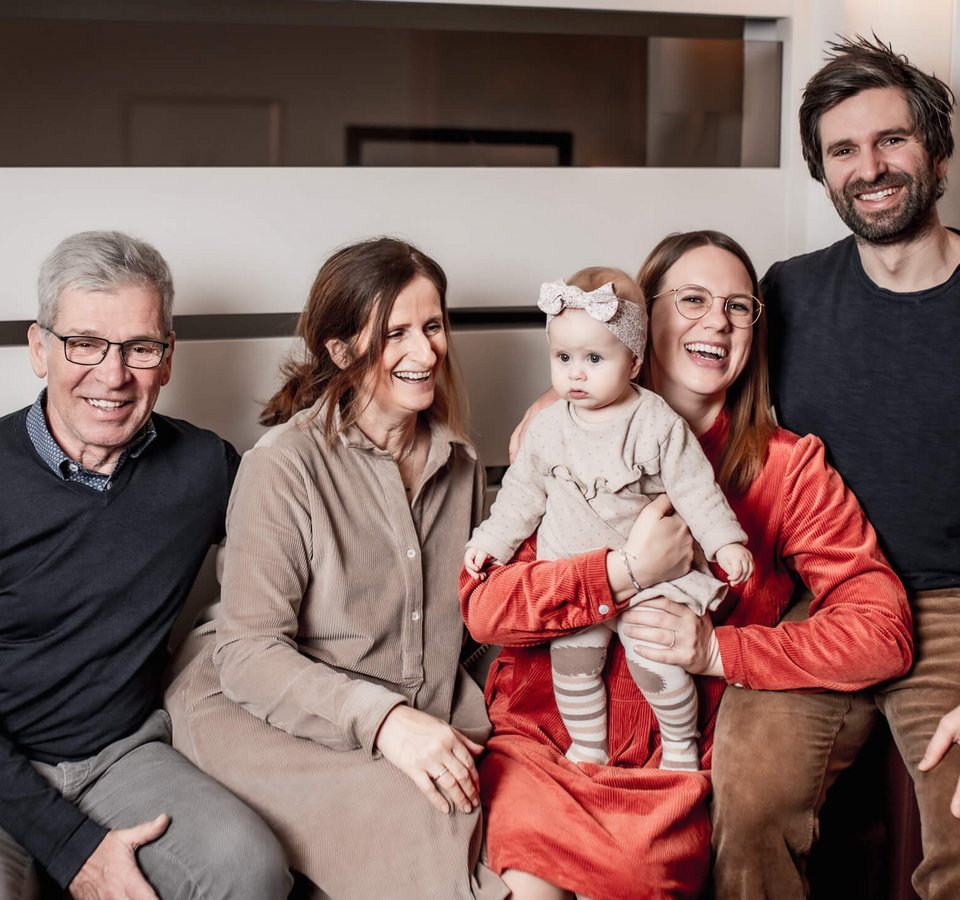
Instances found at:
x=85 y=350
x=694 y=302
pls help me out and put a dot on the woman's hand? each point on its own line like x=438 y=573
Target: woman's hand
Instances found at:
x=672 y=633
x=659 y=546
x=547 y=398
x=433 y=755
x=946 y=735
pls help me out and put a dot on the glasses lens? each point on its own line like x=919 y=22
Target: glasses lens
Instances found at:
x=742 y=310
x=693 y=301
x=85 y=350
x=142 y=354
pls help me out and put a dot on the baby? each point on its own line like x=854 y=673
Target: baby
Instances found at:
x=586 y=468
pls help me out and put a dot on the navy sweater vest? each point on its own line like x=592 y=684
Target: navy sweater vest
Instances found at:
x=90 y=585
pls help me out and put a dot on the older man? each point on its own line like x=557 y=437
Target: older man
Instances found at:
x=107 y=514
x=864 y=354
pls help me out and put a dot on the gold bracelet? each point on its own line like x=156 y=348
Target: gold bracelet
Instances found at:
x=626 y=565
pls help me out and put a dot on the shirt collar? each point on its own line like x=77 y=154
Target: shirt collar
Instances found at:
x=69 y=469
x=442 y=439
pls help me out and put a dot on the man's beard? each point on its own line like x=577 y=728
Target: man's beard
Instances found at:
x=904 y=223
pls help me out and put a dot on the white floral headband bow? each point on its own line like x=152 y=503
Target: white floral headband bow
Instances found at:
x=625 y=320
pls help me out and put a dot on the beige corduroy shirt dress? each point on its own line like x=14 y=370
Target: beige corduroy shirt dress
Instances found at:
x=339 y=601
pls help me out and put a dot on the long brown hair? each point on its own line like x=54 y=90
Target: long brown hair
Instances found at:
x=354 y=288
x=748 y=399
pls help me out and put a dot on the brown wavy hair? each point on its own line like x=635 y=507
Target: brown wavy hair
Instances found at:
x=858 y=65
x=748 y=399
x=354 y=288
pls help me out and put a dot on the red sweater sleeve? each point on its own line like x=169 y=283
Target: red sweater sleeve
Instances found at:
x=529 y=601
x=859 y=631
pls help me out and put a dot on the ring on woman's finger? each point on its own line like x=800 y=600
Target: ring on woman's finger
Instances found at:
x=673 y=639
x=440 y=774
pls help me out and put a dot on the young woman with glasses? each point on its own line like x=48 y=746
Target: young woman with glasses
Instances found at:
x=629 y=828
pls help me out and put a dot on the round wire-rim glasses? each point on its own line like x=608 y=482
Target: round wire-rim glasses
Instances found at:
x=85 y=350
x=694 y=301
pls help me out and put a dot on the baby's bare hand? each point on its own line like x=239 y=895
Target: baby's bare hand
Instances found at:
x=474 y=560
x=737 y=562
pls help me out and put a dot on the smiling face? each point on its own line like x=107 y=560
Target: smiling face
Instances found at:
x=415 y=346
x=877 y=173
x=93 y=412
x=589 y=366
x=693 y=362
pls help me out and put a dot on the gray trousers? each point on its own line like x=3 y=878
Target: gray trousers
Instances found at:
x=215 y=846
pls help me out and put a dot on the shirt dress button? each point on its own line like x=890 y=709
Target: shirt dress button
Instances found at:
x=411 y=553
x=603 y=609
x=415 y=615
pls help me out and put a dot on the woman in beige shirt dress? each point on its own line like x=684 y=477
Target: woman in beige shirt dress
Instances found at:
x=331 y=699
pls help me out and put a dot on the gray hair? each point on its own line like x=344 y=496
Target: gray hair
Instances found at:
x=102 y=261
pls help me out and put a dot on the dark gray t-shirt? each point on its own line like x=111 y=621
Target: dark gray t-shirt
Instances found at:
x=876 y=375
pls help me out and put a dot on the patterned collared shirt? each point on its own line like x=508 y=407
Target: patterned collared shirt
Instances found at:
x=69 y=469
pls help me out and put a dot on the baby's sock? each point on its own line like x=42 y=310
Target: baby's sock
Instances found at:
x=582 y=702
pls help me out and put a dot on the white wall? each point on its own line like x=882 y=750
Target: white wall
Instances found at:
x=927 y=32
x=250 y=240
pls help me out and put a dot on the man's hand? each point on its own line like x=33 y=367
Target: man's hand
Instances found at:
x=111 y=872
x=947 y=734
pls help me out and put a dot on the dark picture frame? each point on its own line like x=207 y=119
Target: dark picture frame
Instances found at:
x=384 y=145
